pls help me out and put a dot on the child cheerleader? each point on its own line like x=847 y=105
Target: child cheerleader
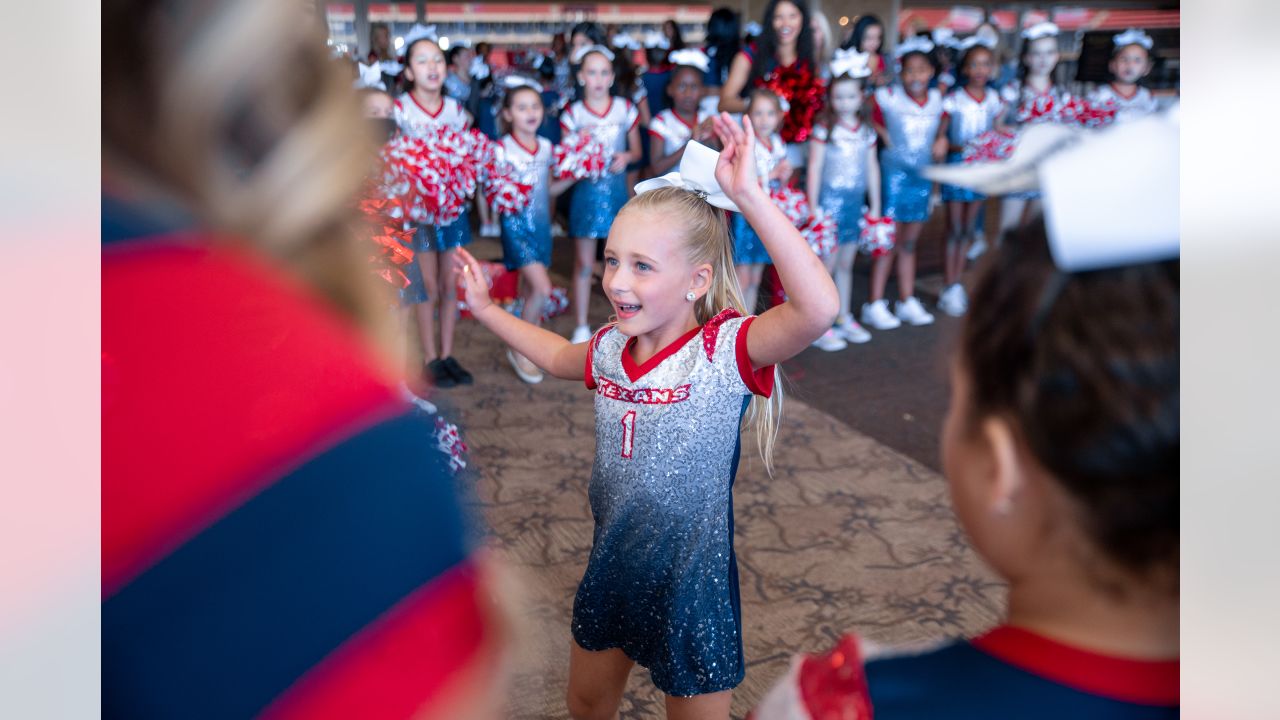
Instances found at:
x=672 y=128
x=416 y=112
x=967 y=111
x=526 y=235
x=844 y=176
x=672 y=377
x=615 y=122
x=1033 y=88
x=750 y=254
x=908 y=116
x=1130 y=62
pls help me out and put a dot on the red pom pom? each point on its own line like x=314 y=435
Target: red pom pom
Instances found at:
x=503 y=187
x=878 y=236
x=383 y=226
x=433 y=176
x=581 y=156
x=990 y=146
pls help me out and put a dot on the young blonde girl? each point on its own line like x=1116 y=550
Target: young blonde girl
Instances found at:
x=673 y=375
x=614 y=121
x=843 y=177
x=416 y=113
x=750 y=254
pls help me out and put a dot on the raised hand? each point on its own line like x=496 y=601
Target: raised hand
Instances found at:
x=474 y=283
x=736 y=168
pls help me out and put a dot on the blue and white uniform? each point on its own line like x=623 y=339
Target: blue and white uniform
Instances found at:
x=596 y=202
x=969 y=117
x=1140 y=104
x=662 y=580
x=526 y=235
x=673 y=130
x=748 y=248
x=843 y=188
x=416 y=121
x=912 y=128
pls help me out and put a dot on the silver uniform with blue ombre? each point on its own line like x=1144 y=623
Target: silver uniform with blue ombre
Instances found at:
x=843 y=190
x=662 y=580
x=748 y=248
x=912 y=128
x=526 y=235
x=596 y=202
x=969 y=117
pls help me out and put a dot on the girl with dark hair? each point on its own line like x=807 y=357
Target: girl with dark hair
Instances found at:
x=672 y=32
x=724 y=38
x=868 y=37
x=782 y=61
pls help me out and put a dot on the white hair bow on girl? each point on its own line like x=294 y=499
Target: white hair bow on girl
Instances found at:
x=624 y=41
x=974 y=41
x=511 y=82
x=697 y=174
x=850 y=62
x=1133 y=36
x=370 y=77
x=582 y=52
x=916 y=43
x=656 y=40
x=690 y=57
x=479 y=68
x=944 y=36
x=1040 y=30
x=416 y=33
x=752 y=29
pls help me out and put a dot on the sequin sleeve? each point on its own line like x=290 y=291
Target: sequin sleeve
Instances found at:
x=589 y=371
x=725 y=342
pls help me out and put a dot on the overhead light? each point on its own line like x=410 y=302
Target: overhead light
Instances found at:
x=399 y=42
x=844 y=20
x=444 y=42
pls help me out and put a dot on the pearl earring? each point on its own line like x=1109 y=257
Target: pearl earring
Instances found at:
x=690 y=296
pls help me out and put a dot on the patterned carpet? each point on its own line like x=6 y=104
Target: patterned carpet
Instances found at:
x=848 y=534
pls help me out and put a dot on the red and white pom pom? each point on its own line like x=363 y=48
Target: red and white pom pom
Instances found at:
x=502 y=186
x=1081 y=112
x=990 y=146
x=878 y=236
x=581 y=156
x=1041 y=107
x=433 y=176
x=793 y=204
x=820 y=232
x=383 y=226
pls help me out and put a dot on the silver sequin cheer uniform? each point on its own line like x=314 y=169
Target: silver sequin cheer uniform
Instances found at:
x=912 y=128
x=970 y=117
x=662 y=581
x=748 y=248
x=596 y=202
x=843 y=189
x=526 y=235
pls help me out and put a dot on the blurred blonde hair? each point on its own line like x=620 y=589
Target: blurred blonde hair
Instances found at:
x=707 y=241
x=234 y=110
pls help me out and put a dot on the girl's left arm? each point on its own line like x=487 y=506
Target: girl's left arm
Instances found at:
x=873 y=181
x=784 y=330
x=558 y=186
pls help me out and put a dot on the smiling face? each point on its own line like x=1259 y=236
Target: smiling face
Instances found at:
x=523 y=110
x=765 y=115
x=978 y=66
x=916 y=74
x=647 y=273
x=1041 y=56
x=426 y=66
x=1130 y=64
x=846 y=99
x=596 y=76
x=685 y=90
x=787 y=21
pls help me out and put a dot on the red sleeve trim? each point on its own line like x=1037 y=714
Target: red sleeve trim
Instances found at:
x=588 y=377
x=759 y=382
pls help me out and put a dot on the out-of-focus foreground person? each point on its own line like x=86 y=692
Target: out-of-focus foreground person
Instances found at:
x=280 y=535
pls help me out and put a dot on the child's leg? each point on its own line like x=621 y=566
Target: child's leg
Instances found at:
x=426 y=311
x=596 y=682
x=537 y=288
x=584 y=259
x=844 y=258
x=880 y=275
x=956 y=241
x=712 y=706
x=448 y=301
x=908 y=234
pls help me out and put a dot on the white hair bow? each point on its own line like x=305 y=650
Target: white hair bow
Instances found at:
x=624 y=41
x=1094 y=217
x=582 y=52
x=917 y=43
x=416 y=33
x=850 y=62
x=370 y=77
x=974 y=41
x=511 y=82
x=752 y=29
x=479 y=68
x=656 y=40
x=944 y=36
x=691 y=57
x=697 y=174
x=1133 y=36
x=391 y=67
x=1040 y=30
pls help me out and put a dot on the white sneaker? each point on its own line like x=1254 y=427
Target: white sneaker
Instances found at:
x=524 y=367
x=421 y=403
x=877 y=315
x=851 y=331
x=581 y=334
x=557 y=230
x=910 y=311
x=978 y=247
x=490 y=229
x=830 y=342
x=953 y=301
